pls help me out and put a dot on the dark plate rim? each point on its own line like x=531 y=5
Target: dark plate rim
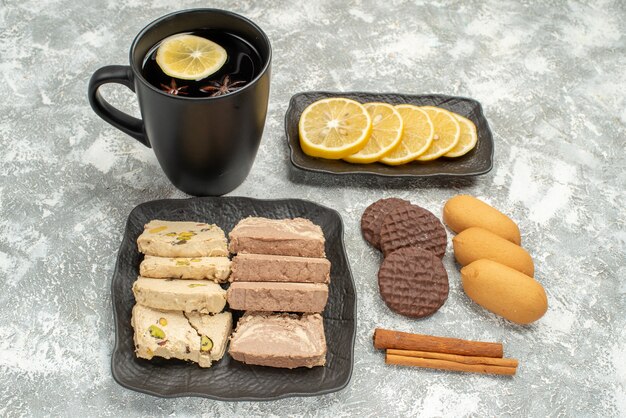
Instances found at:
x=363 y=172
x=221 y=398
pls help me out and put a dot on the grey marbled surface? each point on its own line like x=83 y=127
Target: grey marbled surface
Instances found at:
x=551 y=77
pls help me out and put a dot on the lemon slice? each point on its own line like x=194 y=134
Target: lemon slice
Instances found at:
x=334 y=128
x=467 y=140
x=447 y=133
x=417 y=136
x=386 y=133
x=190 y=57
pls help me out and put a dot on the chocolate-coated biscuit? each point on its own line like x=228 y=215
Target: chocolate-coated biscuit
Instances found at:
x=413 y=282
x=411 y=225
x=372 y=219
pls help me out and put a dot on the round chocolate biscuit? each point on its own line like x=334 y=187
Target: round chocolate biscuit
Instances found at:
x=412 y=226
x=413 y=282
x=372 y=218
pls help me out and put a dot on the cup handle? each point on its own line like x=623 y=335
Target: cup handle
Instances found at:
x=121 y=74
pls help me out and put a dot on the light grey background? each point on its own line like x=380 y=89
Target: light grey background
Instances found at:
x=551 y=77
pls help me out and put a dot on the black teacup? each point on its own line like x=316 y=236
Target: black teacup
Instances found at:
x=205 y=145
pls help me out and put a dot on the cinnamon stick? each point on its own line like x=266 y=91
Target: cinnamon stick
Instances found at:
x=503 y=362
x=385 y=339
x=448 y=365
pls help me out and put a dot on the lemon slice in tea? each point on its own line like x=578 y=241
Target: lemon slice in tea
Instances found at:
x=334 y=128
x=447 y=133
x=190 y=57
x=417 y=136
x=386 y=133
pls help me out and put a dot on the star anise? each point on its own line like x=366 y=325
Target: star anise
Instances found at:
x=222 y=87
x=173 y=89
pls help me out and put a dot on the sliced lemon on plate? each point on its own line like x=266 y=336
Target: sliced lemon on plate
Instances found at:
x=447 y=133
x=467 y=139
x=334 y=128
x=417 y=136
x=190 y=57
x=386 y=133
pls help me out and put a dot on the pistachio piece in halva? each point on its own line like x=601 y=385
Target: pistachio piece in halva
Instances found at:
x=156 y=332
x=206 y=344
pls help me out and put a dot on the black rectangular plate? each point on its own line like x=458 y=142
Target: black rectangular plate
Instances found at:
x=477 y=161
x=229 y=379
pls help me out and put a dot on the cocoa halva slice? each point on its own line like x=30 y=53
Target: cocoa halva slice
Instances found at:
x=413 y=282
x=412 y=225
x=294 y=237
x=279 y=297
x=279 y=268
x=373 y=216
x=279 y=340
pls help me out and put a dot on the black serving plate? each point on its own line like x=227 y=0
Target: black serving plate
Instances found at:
x=477 y=161
x=229 y=379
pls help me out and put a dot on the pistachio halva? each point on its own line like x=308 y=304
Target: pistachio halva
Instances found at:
x=179 y=306
x=182 y=239
x=212 y=268
x=170 y=334
x=180 y=295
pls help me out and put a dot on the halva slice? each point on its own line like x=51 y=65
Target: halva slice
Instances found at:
x=164 y=334
x=279 y=340
x=211 y=268
x=214 y=331
x=180 y=295
x=279 y=268
x=280 y=297
x=295 y=237
x=170 y=334
x=182 y=239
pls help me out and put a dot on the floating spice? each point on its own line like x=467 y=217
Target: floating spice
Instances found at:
x=173 y=89
x=222 y=87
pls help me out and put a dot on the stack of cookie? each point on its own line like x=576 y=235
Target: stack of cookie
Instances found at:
x=179 y=302
x=412 y=279
x=497 y=272
x=279 y=269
